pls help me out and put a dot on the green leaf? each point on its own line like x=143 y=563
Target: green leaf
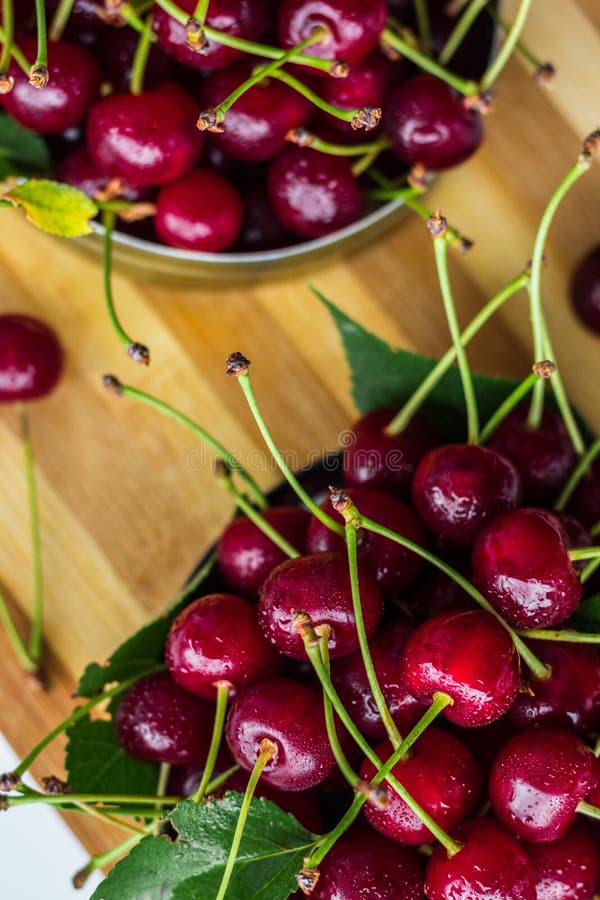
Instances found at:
x=587 y=616
x=272 y=850
x=54 y=207
x=96 y=763
x=22 y=152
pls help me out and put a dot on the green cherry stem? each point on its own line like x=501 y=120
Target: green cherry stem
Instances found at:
x=108 y=800
x=595 y=530
x=238 y=366
x=423 y=24
x=562 y=400
x=107 y=817
x=399 y=41
x=200 y=11
x=345 y=115
x=164 y=771
x=544 y=71
x=25 y=661
x=508 y=405
x=589 y=570
x=104 y=859
x=140 y=59
x=117 y=387
x=507 y=49
x=267 y=749
x=190 y=586
x=35 y=639
x=16 y=54
x=410 y=194
x=578 y=473
x=304 y=138
x=460 y=30
x=8 y=21
x=579 y=553
x=38 y=76
x=565 y=636
x=60 y=19
x=223 y=689
x=437 y=226
x=587 y=809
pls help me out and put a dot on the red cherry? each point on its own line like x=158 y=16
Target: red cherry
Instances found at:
x=116 y=51
x=261 y=229
x=569 y=868
x=200 y=211
x=585 y=290
x=79 y=170
x=31 y=358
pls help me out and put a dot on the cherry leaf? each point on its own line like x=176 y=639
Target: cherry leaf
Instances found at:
x=587 y=616
x=56 y=208
x=22 y=152
x=96 y=764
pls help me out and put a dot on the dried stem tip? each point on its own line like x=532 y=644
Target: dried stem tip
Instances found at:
x=482 y=102
x=237 y=364
x=112 y=384
x=197 y=41
x=544 y=369
x=139 y=353
x=545 y=74
x=38 y=77
x=376 y=794
x=7 y=83
x=302 y=137
x=210 y=120
x=339 y=69
x=591 y=145
x=307 y=880
x=9 y=781
x=221 y=470
x=80 y=878
x=303 y=624
x=368 y=118
x=437 y=225
x=54 y=785
x=417 y=177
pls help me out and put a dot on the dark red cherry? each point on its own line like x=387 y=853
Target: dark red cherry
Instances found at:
x=366 y=866
x=569 y=868
x=570 y=696
x=159 y=721
x=458 y=488
x=261 y=229
x=427 y=123
x=320 y=586
x=256 y=125
x=245 y=555
x=289 y=714
x=73 y=86
x=521 y=565
x=577 y=535
x=217 y=638
x=148 y=139
x=79 y=170
x=31 y=358
x=472 y=56
x=200 y=211
x=312 y=193
x=469 y=656
x=185 y=780
x=492 y=865
x=393 y=566
x=585 y=289
x=303 y=805
x=84 y=19
x=350 y=679
x=116 y=51
x=439 y=773
x=544 y=456
x=435 y=592
x=585 y=500
x=538 y=780
x=239 y=18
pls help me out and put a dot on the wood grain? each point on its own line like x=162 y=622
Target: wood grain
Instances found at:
x=126 y=507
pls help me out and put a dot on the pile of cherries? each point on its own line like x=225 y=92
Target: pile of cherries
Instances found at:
x=239 y=183
x=508 y=769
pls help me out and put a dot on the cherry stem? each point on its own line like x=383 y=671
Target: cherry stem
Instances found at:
x=404 y=46
x=223 y=689
x=578 y=473
x=565 y=636
x=35 y=639
x=107 y=817
x=200 y=11
x=508 y=47
x=579 y=553
x=305 y=138
x=595 y=530
x=460 y=30
x=140 y=59
x=346 y=115
x=344 y=766
x=401 y=420
x=587 y=809
x=103 y=859
x=364 y=164
x=507 y=406
x=267 y=749
x=16 y=54
x=127 y=390
x=246 y=385
x=440 y=248
x=589 y=570
x=60 y=19
x=138 y=352
x=26 y=662
x=41 y=60
x=409 y=195
x=164 y=772
x=121 y=800
x=523 y=49
x=423 y=24
x=8 y=21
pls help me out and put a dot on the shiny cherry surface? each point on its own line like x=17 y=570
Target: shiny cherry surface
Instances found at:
x=31 y=358
x=199 y=211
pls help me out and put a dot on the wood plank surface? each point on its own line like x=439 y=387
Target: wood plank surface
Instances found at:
x=128 y=505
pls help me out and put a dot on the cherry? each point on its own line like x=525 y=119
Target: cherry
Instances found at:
x=31 y=358
x=472 y=56
x=78 y=169
x=366 y=866
x=570 y=696
x=256 y=125
x=200 y=211
x=159 y=721
x=245 y=555
x=439 y=773
x=319 y=585
x=261 y=229
x=577 y=535
x=64 y=102
x=302 y=805
x=521 y=565
x=350 y=679
x=240 y=18
x=569 y=868
x=544 y=456
x=353 y=27
x=147 y=139
x=116 y=51
x=312 y=193
x=185 y=780
x=468 y=655
x=217 y=638
x=492 y=865
x=428 y=124
x=435 y=593
x=538 y=779
x=585 y=500
x=585 y=290
x=290 y=714
x=457 y=488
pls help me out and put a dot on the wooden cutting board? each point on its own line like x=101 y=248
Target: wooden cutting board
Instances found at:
x=127 y=502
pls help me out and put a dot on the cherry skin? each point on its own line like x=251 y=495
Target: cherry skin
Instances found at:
x=437 y=593
x=353 y=27
x=428 y=124
x=246 y=555
x=160 y=722
x=440 y=774
x=217 y=638
x=585 y=290
x=366 y=866
x=468 y=655
x=538 y=779
x=200 y=211
x=544 y=456
x=492 y=865
x=350 y=680
x=569 y=868
x=261 y=229
x=521 y=565
x=241 y=19
x=577 y=535
x=319 y=585
x=148 y=139
x=290 y=714
x=116 y=51
x=64 y=102
x=457 y=488
x=31 y=358
x=312 y=193
x=79 y=170
x=585 y=500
